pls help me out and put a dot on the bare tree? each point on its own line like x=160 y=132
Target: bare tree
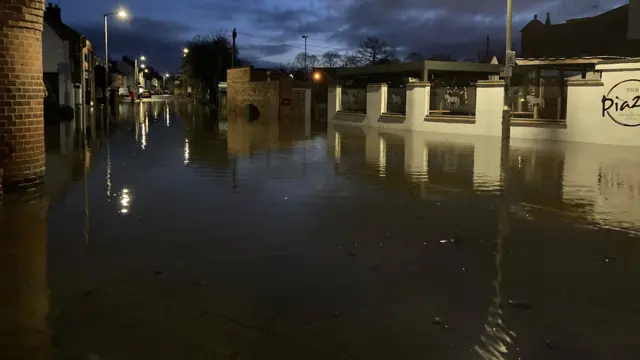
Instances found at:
x=331 y=59
x=414 y=56
x=299 y=61
x=350 y=60
x=372 y=50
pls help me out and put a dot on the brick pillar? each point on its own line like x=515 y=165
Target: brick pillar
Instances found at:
x=21 y=91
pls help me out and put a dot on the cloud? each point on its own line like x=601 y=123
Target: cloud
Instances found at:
x=272 y=29
x=161 y=41
x=456 y=27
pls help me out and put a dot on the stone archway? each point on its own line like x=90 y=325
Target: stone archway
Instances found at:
x=21 y=91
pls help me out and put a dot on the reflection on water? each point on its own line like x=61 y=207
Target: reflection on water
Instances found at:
x=235 y=240
x=599 y=185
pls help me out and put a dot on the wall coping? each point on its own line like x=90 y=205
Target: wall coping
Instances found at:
x=490 y=83
x=585 y=82
x=377 y=84
x=450 y=119
x=419 y=84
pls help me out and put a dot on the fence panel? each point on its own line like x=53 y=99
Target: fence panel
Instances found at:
x=354 y=99
x=546 y=100
x=397 y=100
x=453 y=100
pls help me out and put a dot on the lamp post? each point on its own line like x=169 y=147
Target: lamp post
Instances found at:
x=165 y=81
x=305 y=56
x=506 y=113
x=123 y=15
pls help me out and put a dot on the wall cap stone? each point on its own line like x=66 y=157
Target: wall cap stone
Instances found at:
x=377 y=84
x=585 y=82
x=419 y=84
x=490 y=83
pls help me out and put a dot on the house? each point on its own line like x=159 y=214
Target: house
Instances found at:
x=127 y=66
x=67 y=62
x=612 y=33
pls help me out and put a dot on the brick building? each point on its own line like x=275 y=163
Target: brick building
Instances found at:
x=612 y=33
x=21 y=91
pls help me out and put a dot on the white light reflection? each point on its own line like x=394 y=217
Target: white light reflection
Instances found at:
x=186 y=151
x=337 y=148
x=166 y=115
x=125 y=201
x=383 y=158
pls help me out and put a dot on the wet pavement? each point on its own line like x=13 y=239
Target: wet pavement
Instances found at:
x=171 y=235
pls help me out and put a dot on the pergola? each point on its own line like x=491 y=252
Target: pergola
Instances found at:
x=425 y=70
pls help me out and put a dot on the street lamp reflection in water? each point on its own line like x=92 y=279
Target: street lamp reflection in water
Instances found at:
x=125 y=201
x=186 y=151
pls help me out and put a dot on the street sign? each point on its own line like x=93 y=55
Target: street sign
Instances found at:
x=511 y=59
x=506 y=71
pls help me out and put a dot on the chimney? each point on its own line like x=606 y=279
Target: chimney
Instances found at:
x=633 y=22
x=52 y=13
x=548 y=21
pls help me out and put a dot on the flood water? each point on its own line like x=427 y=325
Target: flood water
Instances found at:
x=172 y=235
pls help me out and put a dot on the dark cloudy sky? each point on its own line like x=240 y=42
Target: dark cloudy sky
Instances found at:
x=271 y=30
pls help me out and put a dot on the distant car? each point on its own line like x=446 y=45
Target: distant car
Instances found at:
x=145 y=94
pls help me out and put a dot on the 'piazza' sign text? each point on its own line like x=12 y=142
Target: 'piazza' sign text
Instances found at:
x=622 y=103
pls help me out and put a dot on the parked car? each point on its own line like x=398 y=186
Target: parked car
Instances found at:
x=145 y=94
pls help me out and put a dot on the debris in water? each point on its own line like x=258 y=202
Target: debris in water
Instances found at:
x=609 y=259
x=436 y=321
x=454 y=240
x=548 y=344
x=520 y=305
x=464 y=269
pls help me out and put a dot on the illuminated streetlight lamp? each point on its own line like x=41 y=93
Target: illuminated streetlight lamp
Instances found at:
x=185 y=51
x=143 y=66
x=143 y=58
x=316 y=76
x=122 y=14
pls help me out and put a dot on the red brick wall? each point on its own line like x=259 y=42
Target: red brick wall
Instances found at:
x=21 y=90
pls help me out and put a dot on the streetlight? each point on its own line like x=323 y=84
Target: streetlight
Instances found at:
x=122 y=14
x=506 y=113
x=143 y=58
x=143 y=66
x=165 y=80
x=185 y=51
x=305 y=56
x=316 y=76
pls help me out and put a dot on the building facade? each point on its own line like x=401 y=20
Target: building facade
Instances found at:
x=612 y=33
x=67 y=62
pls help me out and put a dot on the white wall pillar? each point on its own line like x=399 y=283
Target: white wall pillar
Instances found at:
x=376 y=102
x=334 y=101
x=489 y=105
x=418 y=94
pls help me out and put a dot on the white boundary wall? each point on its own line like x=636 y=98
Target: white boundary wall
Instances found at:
x=585 y=121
